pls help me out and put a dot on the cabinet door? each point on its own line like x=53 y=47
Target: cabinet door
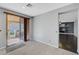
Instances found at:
x=68 y=42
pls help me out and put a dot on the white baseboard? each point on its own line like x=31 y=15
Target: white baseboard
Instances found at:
x=2 y=48
x=78 y=51
x=46 y=43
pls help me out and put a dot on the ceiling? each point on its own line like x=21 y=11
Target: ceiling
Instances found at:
x=35 y=9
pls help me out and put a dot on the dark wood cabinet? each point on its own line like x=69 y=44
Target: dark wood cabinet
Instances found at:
x=68 y=42
x=26 y=29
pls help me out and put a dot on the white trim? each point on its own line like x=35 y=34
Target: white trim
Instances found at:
x=78 y=51
x=2 y=47
x=46 y=43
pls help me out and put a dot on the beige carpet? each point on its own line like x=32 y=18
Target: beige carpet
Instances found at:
x=37 y=48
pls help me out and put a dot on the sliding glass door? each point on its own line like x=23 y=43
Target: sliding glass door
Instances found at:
x=15 y=30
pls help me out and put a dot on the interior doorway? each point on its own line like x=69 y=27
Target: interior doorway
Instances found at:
x=26 y=29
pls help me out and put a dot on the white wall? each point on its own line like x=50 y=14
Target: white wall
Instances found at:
x=3 y=28
x=46 y=29
x=78 y=31
x=45 y=26
x=30 y=28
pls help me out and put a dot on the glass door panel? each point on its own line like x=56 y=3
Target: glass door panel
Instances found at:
x=15 y=32
x=13 y=29
x=22 y=29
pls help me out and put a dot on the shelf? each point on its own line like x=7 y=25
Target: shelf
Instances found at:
x=67 y=33
x=64 y=27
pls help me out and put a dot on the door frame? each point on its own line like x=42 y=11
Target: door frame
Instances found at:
x=26 y=29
